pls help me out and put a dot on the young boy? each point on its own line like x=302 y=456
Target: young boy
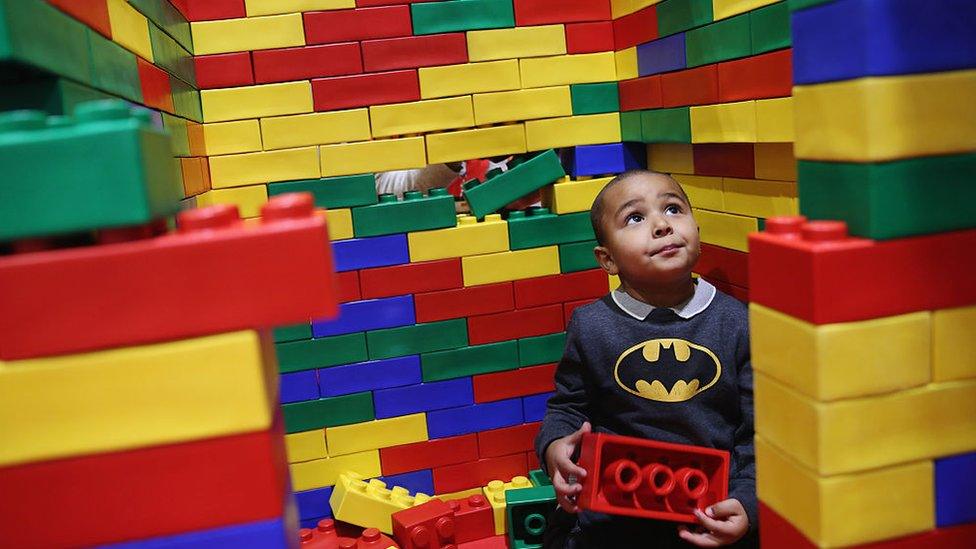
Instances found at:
x=634 y=365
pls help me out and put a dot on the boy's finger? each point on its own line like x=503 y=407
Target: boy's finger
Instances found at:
x=575 y=437
x=711 y=524
x=704 y=539
x=724 y=509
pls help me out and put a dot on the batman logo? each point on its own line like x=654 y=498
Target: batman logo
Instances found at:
x=667 y=370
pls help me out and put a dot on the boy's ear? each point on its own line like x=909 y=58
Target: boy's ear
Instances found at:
x=605 y=260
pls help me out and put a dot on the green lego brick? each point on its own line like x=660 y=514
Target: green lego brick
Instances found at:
x=417 y=339
x=518 y=181
x=461 y=15
x=539 y=478
x=172 y=57
x=720 y=41
x=770 y=28
x=666 y=125
x=577 y=256
x=114 y=68
x=295 y=356
x=333 y=192
x=328 y=412
x=674 y=16
x=630 y=126
x=113 y=168
x=797 y=5
x=541 y=349
x=49 y=93
x=293 y=332
x=414 y=213
x=881 y=201
x=177 y=129
x=186 y=100
x=167 y=18
x=594 y=98
x=537 y=227
x=37 y=35
x=468 y=361
x=526 y=512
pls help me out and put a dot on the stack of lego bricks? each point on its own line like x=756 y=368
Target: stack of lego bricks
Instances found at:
x=864 y=316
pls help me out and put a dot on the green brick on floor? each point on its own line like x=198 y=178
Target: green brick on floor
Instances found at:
x=720 y=41
x=594 y=98
x=520 y=180
x=461 y=15
x=630 y=126
x=186 y=100
x=674 y=16
x=770 y=28
x=545 y=349
x=413 y=213
x=328 y=412
x=469 y=361
x=114 y=68
x=295 y=356
x=417 y=339
x=292 y=332
x=577 y=256
x=35 y=34
x=167 y=18
x=333 y=192
x=539 y=478
x=170 y=56
x=666 y=125
x=526 y=514
x=538 y=227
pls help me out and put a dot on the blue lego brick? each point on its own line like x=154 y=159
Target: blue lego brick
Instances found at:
x=854 y=38
x=424 y=397
x=661 y=55
x=369 y=376
x=955 y=490
x=310 y=523
x=299 y=386
x=415 y=481
x=265 y=534
x=377 y=251
x=474 y=418
x=608 y=159
x=314 y=504
x=370 y=314
x=534 y=407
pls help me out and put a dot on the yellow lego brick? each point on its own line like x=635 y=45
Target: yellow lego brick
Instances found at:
x=727 y=8
x=130 y=28
x=568 y=131
x=490 y=108
x=774 y=120
x=468 y=238
x=573 y=196
x=759 y=198
x=726 y=230
x=233 y=170
x=469 y=78
x=372 y=435
x=462 y=494
x=232 y=137
x=247 y=33
x=477 y=143
x=495 y=494
x=568 y=69
x=724 y=123
x=271 y=7
x=844 y=436
x=318 y=473
x=134 y=397
x=625 y=63
x=671 y=158
x=370 y=504
x=421 y=116
x=320 y=128
x=614 y=282
x=247 y=199
x=845 y=510
x=775 y=161
x=703 y=191
x=372 y=156
x=487 y=45
x=256 y=101
x=886 y=118
x=954 y=344
x=620 y=8
x=339 y=223
x=514 y=265
x=846 y=360
x=305 y=446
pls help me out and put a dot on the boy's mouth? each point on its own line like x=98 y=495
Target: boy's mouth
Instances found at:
x=666 y=250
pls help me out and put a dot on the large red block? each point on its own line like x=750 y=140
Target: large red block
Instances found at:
x=347 y=286
x=462 y=476
x=758 y=77
x=508 y=440
x=363 y=90
x=717 y=264
x=589 y=37
x=739 y=292
x=635 y=28
x=307 y=62
x=93 y=13
x=515 y=324
x=326 y=27
x=224 y=70
x=571 y=306
x=414 y=51
x=216 y=274
x=428 y=454
x=514 y=383
x=156 y=92
x=366 y=3
x=494 y=542
x=463 y=302
x=411 y=278
x=542 y=12
x=207 y=10
x=473 y=517
x=724 y=159
x=546 y=290
x=430 y=525
x=698 y=86
x=816 y=272
x=640 y=93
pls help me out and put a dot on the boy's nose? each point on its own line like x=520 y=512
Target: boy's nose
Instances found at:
x=662 y=228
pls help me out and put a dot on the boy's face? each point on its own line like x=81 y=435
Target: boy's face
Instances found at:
x=650 y=233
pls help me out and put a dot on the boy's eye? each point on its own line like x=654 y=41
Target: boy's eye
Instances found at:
x=672 y=209
x=634 y=218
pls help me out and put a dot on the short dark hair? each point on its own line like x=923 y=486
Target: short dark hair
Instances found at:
x=596 y=210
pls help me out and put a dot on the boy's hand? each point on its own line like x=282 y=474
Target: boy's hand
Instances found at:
x=561 y=468
x=724 y=523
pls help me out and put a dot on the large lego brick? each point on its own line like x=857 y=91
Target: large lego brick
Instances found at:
x=527 y=511
x=256 y=101
x=468 y=361
x=770 y=28
x=567 y=69
x=541 y=349
x=328 y=412
x=469 y=78
x=724 y=160
x=758 y=198
x=727 y=8
x=626 y=63
x=722 y=264
x=366 y=376
x=235 y=170
x=577 y=196
x=600 y=97
x=724 y=123
x=167 y=18
x=421 y=116
x=155 y=89
x=680 y=15
x=333 y=192
x=774 y=120
x=271 y=7
x=413 y=213
x=757 y=77
x=821 y=258
x=672 y=158
x=377 y=251
x=93 y=13
x=363 y=90
x=523 y=178
x=955 y=487
x=429 y=454
x=635 y=28
x=247 y=199
x=270 y=533
x=295 y=356
x=478 y=473
x=541 y=12
x=172 y=57
x=514 y=265
x=470 y=419
x=283 y=65
x=589 y=37
x=726 y=230
x=319 y=473
x=419 y=338
x=205 y=10
x=327 y=27
x=477 y=143
x=370 y=314
x=411 y=52
x=366 y=156
x=577 y=256
x=534 y=407
x=249 y=33
x=661 y=55
x=371 y=435
x=314 y=503
x=572 y=130
x=523 y=104
x=114 y=69
x=130 y=29
x=412 y=278
x=429 y=525
x=720 y=41
x=469 y=237
x=514 y=383
x=649 y=479
x=537 y=227
x=548 y=290
x=536 y=41
x=423 y=397
x=463 y=302
x=461 y=15
x=507 y=440
x=630 y=126
x=703 y=191
x=187 y=100
x=640 y=93
x=666 y=125
x=953 y=345
x=698 y=86
x=298 y=386
x=35 y=35
x=515 y=324
x=775 y=161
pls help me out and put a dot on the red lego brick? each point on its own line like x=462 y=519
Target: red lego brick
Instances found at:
x=514 y=383
x=411 y=52
x=463 y=302
x=411 y=278
x=635 y=28
x=816 y=272
x=589 y=37
x=347 y=286
x=649 y=479
x=515 y=324
x=224 y=70
x=208 y=10
x=698 y=86
x=371 y=538
x=508 y=440
x=640 y=93
x=494 y=542
x=428 y=454
x=144 y=493
x=368 y=3
x=543 y=12
x=571 y=306
x=739 y=292
x=363 y=90
x=430 y=525
x=327 y=27
x=724 y=159
x=758 y=77
x=547 y=290
x=287 y=64
x=473 y=518
x=723 y=265
x=211 y=276
x=154 y=81
x=93 y=13
x=323 y=536
x=462 y=476
x=533 y=460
